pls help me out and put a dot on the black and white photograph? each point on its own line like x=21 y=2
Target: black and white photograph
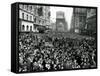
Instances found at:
x=56 y=38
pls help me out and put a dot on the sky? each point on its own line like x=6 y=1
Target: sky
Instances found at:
x=67 y=10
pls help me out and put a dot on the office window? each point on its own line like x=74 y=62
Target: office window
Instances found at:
x=39 y=21
x=86 y=26
x=34 y=19
x=27 y=16
x=27 y=27
x=80 y=19
x=26 y=7
x=30 y=28
x=23 y=27
x=30 y=18
x=22 y=15
x=49 y=14
x=30 y=8
x=22 y=6
x=40 y=11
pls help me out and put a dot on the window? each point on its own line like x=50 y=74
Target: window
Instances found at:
x=48 y=14
x=26 y=7
x=80 y=19
x=27 y=27
x=40 y=11
x=22 y=15
x=30 y=8
x=39 y=21
x=88 y=10
x=34 y=19
x=86 y=26
x=22 y=6
x=27 y=16
x=23 y=27
x=30 y=28
x=30 y=18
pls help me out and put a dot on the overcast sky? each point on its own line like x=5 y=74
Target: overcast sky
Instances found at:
x=67 y=10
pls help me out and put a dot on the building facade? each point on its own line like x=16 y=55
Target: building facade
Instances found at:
x=33 y=17
x=61 y=24
x=91 y=22
x=78 y=21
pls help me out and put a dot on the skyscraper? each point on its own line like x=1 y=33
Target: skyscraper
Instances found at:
x=61 y=24
x=78 y=20
x=91 y=22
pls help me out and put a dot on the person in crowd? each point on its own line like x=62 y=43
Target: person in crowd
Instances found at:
x=43 y=53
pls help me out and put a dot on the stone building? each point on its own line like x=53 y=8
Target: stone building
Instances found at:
x=61 y=24
x=78 y=21
x=33 y=17
x=91 y=22
x=26 y=18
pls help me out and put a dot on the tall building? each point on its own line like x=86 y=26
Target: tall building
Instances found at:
x=78 y=21
x=33 y=17
x=91 y=22
x=26 y=18
x=53 y=26
x=61 y=24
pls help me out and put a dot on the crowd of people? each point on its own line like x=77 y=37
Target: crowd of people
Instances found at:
x=45 y=53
